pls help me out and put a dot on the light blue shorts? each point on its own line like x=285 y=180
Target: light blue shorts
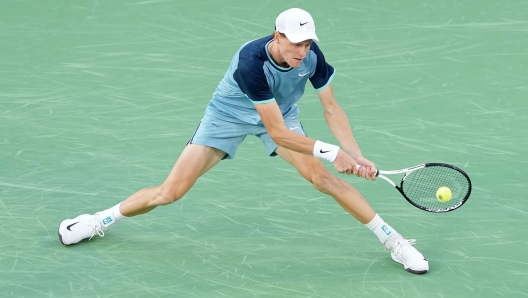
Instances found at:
x=227 y=136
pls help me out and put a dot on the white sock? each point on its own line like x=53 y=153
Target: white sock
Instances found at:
x=381 y=229
x=110 y=216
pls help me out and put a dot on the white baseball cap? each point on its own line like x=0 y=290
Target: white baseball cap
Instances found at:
x=297 y=24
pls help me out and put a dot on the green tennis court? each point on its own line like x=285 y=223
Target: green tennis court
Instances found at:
x=98 y=98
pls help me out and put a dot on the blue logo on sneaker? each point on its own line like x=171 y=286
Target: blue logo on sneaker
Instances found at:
x=386 y=230
x=108 y=220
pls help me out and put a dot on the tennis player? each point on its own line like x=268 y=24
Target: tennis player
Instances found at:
x=258 y=96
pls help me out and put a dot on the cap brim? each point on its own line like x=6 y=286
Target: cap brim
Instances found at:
x=301 y=36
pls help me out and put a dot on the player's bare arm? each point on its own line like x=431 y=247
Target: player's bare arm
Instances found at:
x=274 y=123
x=340 y=127
x=272 y=118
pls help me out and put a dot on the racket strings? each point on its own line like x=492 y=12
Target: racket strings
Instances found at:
x=421 y=185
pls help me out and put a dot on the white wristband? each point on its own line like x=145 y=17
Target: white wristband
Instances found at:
x=325 y=151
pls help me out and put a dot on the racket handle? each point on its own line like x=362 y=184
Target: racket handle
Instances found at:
x=377 y=171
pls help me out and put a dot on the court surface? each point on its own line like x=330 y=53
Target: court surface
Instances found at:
x=98 y=98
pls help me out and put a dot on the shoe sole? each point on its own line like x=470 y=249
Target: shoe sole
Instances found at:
x=416 y=272
x=60 y=237
x=412 y=271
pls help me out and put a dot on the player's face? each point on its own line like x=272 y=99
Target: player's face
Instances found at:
x=293 y=53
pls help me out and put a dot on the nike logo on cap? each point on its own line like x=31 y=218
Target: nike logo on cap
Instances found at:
x=302 y=24
x=68 y=227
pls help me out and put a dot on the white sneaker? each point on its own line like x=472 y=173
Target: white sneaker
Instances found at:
x=84 y=226
x=412 y=260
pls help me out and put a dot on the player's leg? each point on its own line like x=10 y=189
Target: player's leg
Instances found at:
x=194 y=161
x=313 y=170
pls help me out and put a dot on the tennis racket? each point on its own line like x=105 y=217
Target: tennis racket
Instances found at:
x=420 y=183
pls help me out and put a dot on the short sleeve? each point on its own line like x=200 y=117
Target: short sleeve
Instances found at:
x=324 y=72
x=251 y=79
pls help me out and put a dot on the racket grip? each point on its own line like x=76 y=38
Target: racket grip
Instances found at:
x=377 y=171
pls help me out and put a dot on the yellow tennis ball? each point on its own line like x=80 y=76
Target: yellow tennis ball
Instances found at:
x=443 y=194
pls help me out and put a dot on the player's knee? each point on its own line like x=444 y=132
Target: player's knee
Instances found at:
x=323 y=181
x=167 y=195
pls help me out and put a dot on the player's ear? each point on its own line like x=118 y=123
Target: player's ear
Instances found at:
x=276 y=36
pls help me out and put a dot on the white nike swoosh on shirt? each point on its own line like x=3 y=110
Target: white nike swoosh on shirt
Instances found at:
x=292 y=128
x=303 y=74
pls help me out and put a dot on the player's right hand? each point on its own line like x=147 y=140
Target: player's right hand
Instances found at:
x=345 y=164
